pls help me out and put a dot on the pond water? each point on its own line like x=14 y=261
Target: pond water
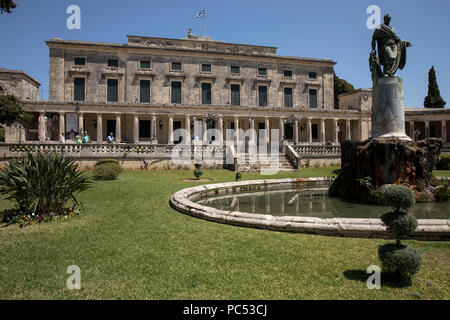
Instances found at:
x=313 y=202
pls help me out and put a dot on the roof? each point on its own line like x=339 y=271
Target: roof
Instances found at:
x=21 y=73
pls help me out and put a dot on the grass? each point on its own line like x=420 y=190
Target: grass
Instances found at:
x=131 y=245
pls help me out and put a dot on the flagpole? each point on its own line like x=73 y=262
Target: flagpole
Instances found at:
x=204 y=22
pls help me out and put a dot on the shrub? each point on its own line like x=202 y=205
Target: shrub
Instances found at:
x=442 y=193
x=376 y=197
x=400 y=224
x=402 y=260
x=444 y=162
x=107 y=171
x=105 y=161
x=197 y=171
x=2 y=134
x=42 y=184
x=399 y=196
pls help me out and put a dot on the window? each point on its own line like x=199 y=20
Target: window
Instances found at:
x=235 y=69
x=206 y=93
x=262 y=94
x=176 y=66
x=288 y=97
x=206 y=68
x=113 y=63
x=313 y=75
x=79 y=61
x=235 y=95
x=144 y=129
x=287 y=73
x=262 y=71
x=313 y=98
x=176 y=92
x=78 y=89
x=113 y=90
x=145 y=91
x=144 y=64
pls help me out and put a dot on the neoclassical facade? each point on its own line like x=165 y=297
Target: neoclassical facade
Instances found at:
x=146 y=89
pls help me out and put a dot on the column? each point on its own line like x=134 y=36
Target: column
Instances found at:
x=348 y=135
x=322 y=130
x=41 y=127
x=220 y=124
x=360 y=126
x=170 y=129
x=296 y=131
x=99 y=128
x=154 y=135
x=308 y=130
x=62 y=124
x=135 y=128
x=80 y=124
x=411 y=130
x=188 y=129
x=281 y=128
x=335 y=130
x=118 y=137
x=251 y=122
x=204 y=131
x=236 y=130
x=427 y=129
x=267 y=126
x=444 y=130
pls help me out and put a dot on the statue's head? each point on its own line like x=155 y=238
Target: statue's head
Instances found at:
x=387 y=19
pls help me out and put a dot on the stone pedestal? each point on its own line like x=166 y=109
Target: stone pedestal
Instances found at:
x=385 y=161
x=388 y=115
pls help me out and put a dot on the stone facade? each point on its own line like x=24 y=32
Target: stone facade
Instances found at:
x=19 y=84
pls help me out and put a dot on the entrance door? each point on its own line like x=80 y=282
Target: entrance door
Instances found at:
x=177 y=134
x=288 y=131
x=111 y=127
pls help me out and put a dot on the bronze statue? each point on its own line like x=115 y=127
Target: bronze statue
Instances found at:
x=391 y=51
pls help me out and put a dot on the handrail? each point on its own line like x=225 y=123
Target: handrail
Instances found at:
x=293 y=157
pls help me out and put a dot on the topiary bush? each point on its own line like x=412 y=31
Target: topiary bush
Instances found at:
x=399 y=197
x=444 y=162
x=197 y=171
x=42 y=184
x=104 y=161
x=397 y=258
x=107 y=171
x=442 y=193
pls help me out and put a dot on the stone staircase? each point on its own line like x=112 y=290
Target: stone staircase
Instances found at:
x=259 y=162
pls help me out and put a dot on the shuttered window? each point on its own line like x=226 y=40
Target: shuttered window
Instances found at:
x=288 y=97
x=313 y=98
x=113 y=63
x=79 y=61
x=206 y=68
x=113 y=90
x=144 y=64
x=235 y=69
x=176 y=92
x=262 y=90
x=235 y=95
x=176 y=66
x=287 y=73
x=79 y=84
x=206 y=93
x=312 y=75
x=262 y=71
x=145 y=91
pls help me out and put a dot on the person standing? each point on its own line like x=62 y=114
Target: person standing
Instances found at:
x=110 y=138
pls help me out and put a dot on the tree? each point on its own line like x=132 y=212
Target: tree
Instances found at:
x=340 y=86
x=7 y=5
x=11 y=112
x=433 y=99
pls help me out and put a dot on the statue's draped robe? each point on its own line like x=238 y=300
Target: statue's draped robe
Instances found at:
x=392 y=54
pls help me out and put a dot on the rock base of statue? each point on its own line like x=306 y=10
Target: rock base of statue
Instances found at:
x=386 y=161
x=388 y=115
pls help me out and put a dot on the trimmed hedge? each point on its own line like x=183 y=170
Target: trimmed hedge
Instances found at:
x=399 y=196
x=107 y=171
x=104 y=161
x=444 y=162
x=402 y=260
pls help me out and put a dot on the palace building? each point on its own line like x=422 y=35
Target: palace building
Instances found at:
x=144 y=90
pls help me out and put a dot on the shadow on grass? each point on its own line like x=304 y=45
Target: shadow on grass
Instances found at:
x=387 y=279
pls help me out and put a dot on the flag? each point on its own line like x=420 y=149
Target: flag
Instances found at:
x=200 y=14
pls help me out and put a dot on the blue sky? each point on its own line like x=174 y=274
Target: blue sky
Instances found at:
x=320 y=29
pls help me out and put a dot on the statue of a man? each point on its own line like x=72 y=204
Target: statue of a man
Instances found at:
x=391 y=50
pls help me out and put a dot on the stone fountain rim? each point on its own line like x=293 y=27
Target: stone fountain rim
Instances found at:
x=428 y=229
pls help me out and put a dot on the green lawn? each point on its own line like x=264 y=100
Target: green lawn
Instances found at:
x=131 y=245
